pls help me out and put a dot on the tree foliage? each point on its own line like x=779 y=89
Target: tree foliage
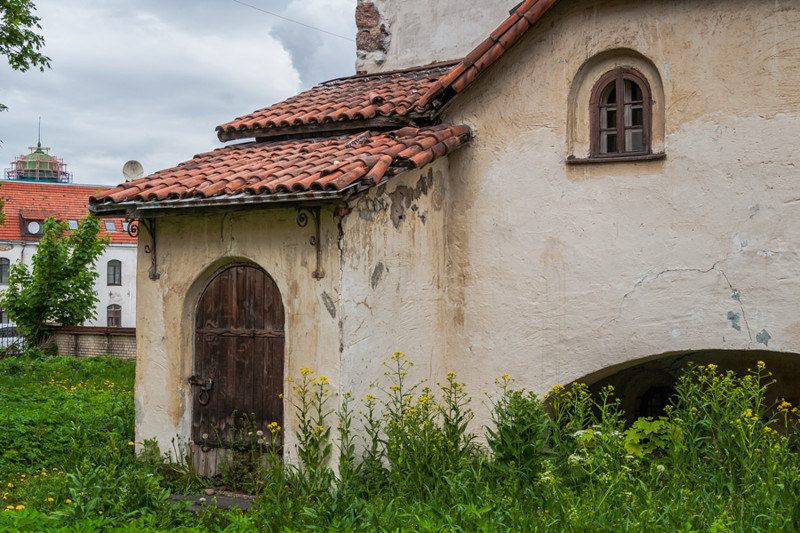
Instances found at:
x=19 y=41
x=59 y=288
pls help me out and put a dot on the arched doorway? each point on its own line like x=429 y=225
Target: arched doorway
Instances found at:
x=238 y=360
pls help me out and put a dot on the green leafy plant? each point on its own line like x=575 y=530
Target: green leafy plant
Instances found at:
x=520 y=429
x=59 y=287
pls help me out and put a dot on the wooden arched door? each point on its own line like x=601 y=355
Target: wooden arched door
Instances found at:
x=238 y=363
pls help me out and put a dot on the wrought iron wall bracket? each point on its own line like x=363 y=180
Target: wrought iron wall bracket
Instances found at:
x=150 y=225
x=303 y=214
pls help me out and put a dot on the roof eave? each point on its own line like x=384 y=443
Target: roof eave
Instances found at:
x=326 y=129
x=134 y=209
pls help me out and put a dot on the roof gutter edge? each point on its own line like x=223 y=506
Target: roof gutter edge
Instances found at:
x=174 y=206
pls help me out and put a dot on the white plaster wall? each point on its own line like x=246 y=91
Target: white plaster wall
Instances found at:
x=421 y=32
x=557 y=271
x=123 y=295
x=190 y=249
x=393 y=280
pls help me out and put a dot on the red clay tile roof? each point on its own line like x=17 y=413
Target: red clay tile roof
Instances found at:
x=356 y=102
x=297 y=169
x=354 y=108
x=25 y=200
x=486 y=53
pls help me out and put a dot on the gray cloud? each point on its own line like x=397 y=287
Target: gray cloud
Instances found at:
x=151 y=80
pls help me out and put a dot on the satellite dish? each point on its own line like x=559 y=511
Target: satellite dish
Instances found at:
x=132 y=170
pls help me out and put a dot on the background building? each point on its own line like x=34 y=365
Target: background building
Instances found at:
x=38 y=186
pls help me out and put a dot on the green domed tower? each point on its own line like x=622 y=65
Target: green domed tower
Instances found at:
x=39 y=165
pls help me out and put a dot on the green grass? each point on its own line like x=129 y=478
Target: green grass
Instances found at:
x=720 y=460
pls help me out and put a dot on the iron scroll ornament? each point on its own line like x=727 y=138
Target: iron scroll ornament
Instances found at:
x=150 y=225
x=302 y=221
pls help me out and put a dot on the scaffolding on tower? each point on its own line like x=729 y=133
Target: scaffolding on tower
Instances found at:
x=39 y=165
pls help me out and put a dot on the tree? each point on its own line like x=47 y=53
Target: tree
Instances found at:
x=18 y=40
x=59 y=288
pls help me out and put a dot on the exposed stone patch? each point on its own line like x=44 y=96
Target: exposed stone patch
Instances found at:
x=372 y=39
x=367 y=15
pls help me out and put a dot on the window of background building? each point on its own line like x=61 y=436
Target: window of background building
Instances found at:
x=4 y=264
x=114 y=274
x=110 y=225
x=114 y=316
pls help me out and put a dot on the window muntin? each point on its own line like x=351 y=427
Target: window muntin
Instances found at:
x=621 y=110
x=114 y=272
x=114 y=313
x=4 y=264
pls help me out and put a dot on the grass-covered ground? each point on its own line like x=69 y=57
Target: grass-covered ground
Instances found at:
x=721 y=460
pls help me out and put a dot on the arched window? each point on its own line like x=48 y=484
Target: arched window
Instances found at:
x=114 y=316
x=114 y=272
x=4 y=264
x=621 y=111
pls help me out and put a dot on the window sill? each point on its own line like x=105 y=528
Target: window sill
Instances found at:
x=572 y=160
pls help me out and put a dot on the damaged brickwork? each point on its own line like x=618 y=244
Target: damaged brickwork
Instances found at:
x=372 y=39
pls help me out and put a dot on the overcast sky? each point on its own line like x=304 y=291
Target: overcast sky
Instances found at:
x=150 y=79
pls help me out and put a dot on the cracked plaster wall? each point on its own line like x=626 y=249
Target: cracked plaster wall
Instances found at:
x=558 y=271
x=392 y=292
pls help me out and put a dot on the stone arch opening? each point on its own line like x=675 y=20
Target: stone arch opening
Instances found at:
x=647 y=385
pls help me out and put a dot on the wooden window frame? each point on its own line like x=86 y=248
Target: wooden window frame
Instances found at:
x=114 y=278
x=619 y=75
x=114 y=316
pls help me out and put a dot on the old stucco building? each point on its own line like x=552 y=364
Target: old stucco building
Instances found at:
x=598 y=191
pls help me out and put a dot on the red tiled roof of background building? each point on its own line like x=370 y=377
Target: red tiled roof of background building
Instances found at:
x=343 y=101
x=39 y=200
x=485 y=54
x=294 y=167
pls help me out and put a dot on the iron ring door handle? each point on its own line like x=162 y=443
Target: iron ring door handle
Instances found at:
x=207 y=384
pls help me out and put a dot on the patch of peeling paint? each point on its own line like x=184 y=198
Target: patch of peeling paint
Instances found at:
x=734 y=318
x=763 y=337
x=329 y=305
x=377 y=272
x=403 y=197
